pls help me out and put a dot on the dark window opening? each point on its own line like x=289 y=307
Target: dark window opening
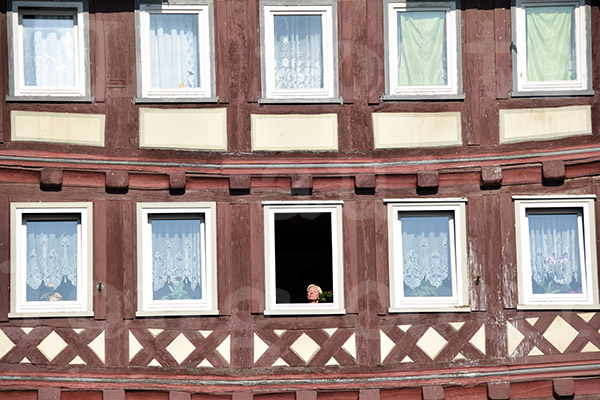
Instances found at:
x=303 y=254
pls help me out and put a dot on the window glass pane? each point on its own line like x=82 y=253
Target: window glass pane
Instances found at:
x=555 y=259
x=422 y=58
x=303 y=254
x=176 y=258
x=426 y=255
x=51 y=260
x=550 y=43
x=49 y=50
x=298 y=51
x=174 y=58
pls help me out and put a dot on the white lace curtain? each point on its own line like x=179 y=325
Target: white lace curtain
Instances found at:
x=298 y=52
x=49 y=50
x=176 y=263
x=51 y=254
x=422 y=58
x=555 y=258
x=550 y=43
x=174 y=59
x=426 y=256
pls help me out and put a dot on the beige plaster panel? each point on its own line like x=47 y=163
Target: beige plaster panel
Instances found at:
x=294 y=132
x=83 y=129
x=185 y=129
x=396 y=130
x=544 y=123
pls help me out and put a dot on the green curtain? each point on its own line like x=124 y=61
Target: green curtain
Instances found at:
x=422 y=48
x=550 y=44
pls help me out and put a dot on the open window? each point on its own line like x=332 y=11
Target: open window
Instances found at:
x=176 y=259
x=175 y=50
x=299 y=50
x=556 y=252
x=428 y=264
x=49 y=49
x=423 y=49
x=51 y=259
x=303 y=246
x=551 y=53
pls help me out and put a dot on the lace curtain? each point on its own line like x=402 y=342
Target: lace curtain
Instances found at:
x=550 y=43
x=51 y=260
x=298 y=52
x=174 y=59
x=176 y=261
x=49 y=50
x=555 y=258
x=426 y=256
x=422 y=58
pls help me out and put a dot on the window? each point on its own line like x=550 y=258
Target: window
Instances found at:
x=423 y=48
x=175 y=43
x=427 y=247
x=51 y=259
x=303 y=246
x=177 y=262
x=551 y=46
x=299 y=50
x=556 y=252
x=49 y=49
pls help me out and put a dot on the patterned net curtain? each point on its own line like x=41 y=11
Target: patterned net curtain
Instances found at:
x=176 y=261
x=49 y=50
x=422 y=59
x=298 y=52
x=51 y=260
x=174 y=58
x=550 y=43
x=426 y=256
x=555 y=259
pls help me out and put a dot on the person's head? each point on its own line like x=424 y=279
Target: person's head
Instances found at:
x=312 y=293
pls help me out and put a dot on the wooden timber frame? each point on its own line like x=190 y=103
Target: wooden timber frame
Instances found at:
x=494 y=351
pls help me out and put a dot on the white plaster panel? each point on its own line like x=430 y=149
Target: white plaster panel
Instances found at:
x=69 y=128
x=180 y=348
x=544 y=123
x=514 y=336
x=134 y=346
x=387 y=345
x=560 y=334
x=305 y=347
x=98 y=346
x=185 y=129
x=294 y=132
x=397 y=130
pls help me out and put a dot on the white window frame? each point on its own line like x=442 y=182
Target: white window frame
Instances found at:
x=208 y=304
x=334 y=208
x=459 y=270
x=20 y=307
x=204 y=11
x=81 y=37
x=453 y=48
x=582 y=49
x=328 y=11
x=587 y=232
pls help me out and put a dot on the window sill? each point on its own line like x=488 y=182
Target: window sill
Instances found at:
x=174 y=100
x=423 y=97
x=421 y=309
x=306 y=311
x=176 y=313
x=328 y=100
x=552 y=93
x=525 y=307
x=51 y=314
x=50 y=99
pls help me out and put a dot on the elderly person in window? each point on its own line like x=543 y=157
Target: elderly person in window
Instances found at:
x=313 y=292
